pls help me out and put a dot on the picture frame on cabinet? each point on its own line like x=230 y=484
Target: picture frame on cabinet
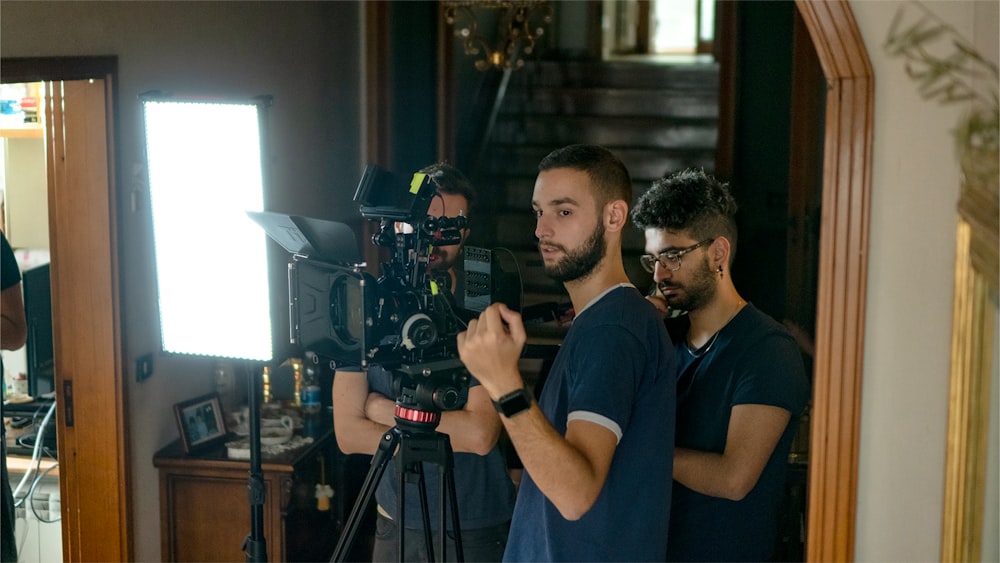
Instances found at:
x=201 y=423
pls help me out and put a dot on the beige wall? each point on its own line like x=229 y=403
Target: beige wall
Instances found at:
x=304 y=54
x=25 y=193
x=915 y=183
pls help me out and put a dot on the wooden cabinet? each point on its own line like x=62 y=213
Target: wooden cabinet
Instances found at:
x=205 y=507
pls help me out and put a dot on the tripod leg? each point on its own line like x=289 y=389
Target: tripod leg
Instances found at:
x=442 y=510
x=448 y=479
x=417 y=469
x=383 y=454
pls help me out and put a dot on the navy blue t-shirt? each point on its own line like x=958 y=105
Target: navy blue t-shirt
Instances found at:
x=616 y=368
x=754 y=360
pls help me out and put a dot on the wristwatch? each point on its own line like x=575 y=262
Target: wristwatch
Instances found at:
x=513 y=402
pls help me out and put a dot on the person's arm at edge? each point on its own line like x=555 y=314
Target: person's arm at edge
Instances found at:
x=13 y=324
x=570 y=471
x=754 y=431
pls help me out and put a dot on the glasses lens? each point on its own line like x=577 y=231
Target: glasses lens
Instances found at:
x=647 y=262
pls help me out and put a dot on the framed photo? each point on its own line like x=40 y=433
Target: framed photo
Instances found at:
x=201 y=422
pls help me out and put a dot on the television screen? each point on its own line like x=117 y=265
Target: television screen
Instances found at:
x=38 y=312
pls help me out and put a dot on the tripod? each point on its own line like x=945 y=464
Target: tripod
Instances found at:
x=417 y=442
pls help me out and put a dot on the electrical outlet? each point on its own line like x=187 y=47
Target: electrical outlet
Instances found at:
x=143 y=367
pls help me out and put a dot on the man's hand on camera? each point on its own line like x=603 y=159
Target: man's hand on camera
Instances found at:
x=491 y=347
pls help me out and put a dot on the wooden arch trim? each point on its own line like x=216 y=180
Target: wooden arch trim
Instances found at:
x=840 y=322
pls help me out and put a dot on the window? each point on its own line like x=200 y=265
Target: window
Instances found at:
x=658 y=27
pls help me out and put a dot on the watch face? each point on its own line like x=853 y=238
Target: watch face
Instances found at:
x=514 y=403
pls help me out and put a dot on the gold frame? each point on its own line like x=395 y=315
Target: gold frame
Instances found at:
x=972 y=356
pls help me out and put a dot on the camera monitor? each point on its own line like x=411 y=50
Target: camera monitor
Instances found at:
x=385 y=195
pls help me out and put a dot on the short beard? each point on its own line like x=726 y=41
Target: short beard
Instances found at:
x=699 y=292
x=579 y=263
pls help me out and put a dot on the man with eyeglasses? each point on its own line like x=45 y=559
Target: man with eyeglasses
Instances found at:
x=741 y=383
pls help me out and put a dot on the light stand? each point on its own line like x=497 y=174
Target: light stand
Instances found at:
x=225 y=311
x=255 y=544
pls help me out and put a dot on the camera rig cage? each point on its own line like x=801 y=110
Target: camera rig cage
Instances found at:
x=406 y=320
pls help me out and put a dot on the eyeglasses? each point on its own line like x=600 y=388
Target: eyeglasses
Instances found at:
x=669 y=259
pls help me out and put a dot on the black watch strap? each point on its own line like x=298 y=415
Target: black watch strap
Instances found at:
x=513 y=402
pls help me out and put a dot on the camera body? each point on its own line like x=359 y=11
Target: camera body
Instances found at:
x=406 y=320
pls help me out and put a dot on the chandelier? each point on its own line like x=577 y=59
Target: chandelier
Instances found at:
x=519 y=23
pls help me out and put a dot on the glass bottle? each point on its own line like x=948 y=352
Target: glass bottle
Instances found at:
x=310 y=389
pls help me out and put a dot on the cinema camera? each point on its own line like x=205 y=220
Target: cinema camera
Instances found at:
x=406 y=320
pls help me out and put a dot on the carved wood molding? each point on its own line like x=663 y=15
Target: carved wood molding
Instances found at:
x=840 y=321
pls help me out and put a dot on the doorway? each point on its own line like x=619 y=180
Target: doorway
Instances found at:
x=78 y=142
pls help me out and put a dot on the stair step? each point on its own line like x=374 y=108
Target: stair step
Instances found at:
x=643 y=164
x=518 y=231
x=628 y=74
x=613 y=102
x=649 y=132
x=517 y=191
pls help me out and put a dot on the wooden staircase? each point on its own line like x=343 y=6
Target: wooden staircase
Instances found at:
x=657 y=118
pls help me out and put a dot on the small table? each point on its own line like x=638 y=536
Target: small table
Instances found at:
x=205 y=507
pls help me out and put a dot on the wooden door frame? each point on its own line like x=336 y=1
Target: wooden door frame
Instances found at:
x=94 y=467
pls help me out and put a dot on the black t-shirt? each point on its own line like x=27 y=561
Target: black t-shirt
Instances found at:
x=752 y=360
x=10 y=275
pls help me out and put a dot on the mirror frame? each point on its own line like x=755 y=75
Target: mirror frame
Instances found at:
x=842 y=286
x=973 y=355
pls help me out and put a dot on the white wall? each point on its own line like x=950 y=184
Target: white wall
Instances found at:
x=915 y=186
x=304 y=54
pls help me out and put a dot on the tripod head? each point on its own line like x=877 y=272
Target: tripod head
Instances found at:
x=416 y=421
x=423 y=391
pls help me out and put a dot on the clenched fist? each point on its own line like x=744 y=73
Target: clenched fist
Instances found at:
x=491 y=347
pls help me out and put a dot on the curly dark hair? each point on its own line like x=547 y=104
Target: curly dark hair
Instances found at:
x=607 y=173
x=451 y=180
x=690 y=201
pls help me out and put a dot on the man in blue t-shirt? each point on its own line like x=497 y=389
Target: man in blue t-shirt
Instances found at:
x=364 y=408
x=597 y=444
x=741 y=384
